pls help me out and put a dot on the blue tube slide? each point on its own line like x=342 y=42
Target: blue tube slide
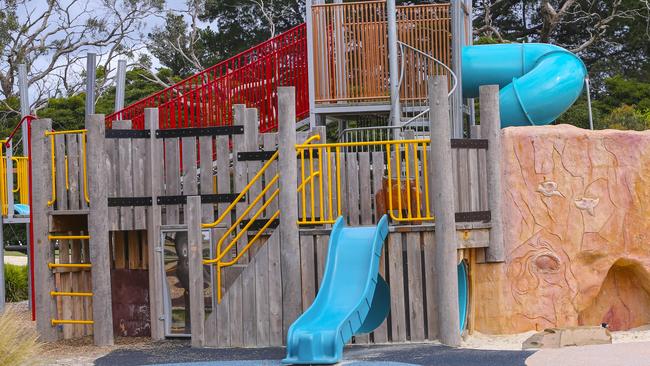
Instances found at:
x=538 y=81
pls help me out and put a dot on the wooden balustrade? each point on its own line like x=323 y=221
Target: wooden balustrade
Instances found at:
x=351 y=48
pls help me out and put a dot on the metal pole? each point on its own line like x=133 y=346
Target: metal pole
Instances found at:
x=90 y=83
x=23 y=90
x=591 y=117
x=310 y=64
x=120 y=84
x=456 y=65
x=393 y=67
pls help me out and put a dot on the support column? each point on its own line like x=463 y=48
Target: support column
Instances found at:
x=43 y=252
x=195 y=248
x=91 y=66
x=289 y=239
x=491 y=129
x=120 y=84
x=98 y=231
x=442 y=186
x=393 y=66
x=457 y=40
x=154 y=188
x=23 y=90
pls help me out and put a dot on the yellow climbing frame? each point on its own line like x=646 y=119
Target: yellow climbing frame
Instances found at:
x=51 y=134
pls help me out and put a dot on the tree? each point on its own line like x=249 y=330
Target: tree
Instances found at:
x=53 y=38
x=233 y=26
x=611 y=36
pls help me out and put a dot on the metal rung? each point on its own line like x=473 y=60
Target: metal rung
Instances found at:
x=59 y=293
x=68 y=237
x=71 y=321
x=69 y=265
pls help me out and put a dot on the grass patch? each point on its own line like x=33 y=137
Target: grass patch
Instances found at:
x=15 y=283
x=15 y=254
x=18 y=344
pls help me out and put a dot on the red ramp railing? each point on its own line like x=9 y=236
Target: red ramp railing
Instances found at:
x=250 y=78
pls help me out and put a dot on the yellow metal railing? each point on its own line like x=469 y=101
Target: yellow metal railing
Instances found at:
x=21 y=184
x=316 y=190
x=319 y=190
x=51 y=134
x=221 y=251
x=406 y=184
x=22 y=179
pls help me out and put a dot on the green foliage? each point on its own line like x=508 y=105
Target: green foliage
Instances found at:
x=18 y=343
x=621 y=90
x=16 y=283
x=626 y=117
x=486 y=40
x=578 y=115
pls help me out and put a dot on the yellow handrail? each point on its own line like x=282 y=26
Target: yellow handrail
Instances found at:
x=75 y=294
x=51 y=134
x=68 y=237
x=241 y=195
x=69 y=265
x=71 y=321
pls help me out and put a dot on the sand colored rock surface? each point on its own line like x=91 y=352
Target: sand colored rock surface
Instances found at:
x=568 y=337
x=577 y=232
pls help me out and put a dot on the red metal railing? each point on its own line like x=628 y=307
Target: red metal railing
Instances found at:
x=251 y=78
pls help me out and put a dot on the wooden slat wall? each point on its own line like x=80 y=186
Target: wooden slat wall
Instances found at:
x=68 y=164
x=406 y=264
x=470 y=179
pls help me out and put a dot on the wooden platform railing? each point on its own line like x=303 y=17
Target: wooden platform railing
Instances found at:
x=351 y=47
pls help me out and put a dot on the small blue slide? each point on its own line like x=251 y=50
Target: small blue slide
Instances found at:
x=353 y=298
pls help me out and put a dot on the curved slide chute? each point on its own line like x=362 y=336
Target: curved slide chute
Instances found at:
x=353 y=298
x=538 y=81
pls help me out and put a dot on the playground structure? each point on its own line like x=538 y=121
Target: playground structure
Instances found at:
x=211 y=209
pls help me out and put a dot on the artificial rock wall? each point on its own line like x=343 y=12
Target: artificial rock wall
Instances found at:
x=577 y=232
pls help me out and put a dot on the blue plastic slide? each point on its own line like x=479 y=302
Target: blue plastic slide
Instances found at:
x=538 y=81
x=353 y=298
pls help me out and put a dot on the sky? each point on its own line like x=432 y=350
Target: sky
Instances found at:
x=83 y=13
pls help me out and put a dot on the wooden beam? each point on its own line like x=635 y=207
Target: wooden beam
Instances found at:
x=195 y=248
x=289 y=239
x=43 y=253
x=153 y=187
x=98 y=231
x=491 y=122
x=442 y=197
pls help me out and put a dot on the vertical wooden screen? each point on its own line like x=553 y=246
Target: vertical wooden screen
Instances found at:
x=351 y=47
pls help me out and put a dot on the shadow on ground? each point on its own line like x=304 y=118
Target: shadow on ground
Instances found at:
x=180 y=352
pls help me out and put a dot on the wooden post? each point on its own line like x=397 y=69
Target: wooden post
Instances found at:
x=98 y=231
x=442 y=186
x=153 y=187
x=195 y=248
x=43 y=253
x=289 y=240
x=491 y=122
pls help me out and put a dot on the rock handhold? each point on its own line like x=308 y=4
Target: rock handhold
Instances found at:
x=566 y=337
x=549 y=189
x=587 y=204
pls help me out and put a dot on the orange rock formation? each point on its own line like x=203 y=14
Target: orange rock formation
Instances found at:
x=577 y=232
